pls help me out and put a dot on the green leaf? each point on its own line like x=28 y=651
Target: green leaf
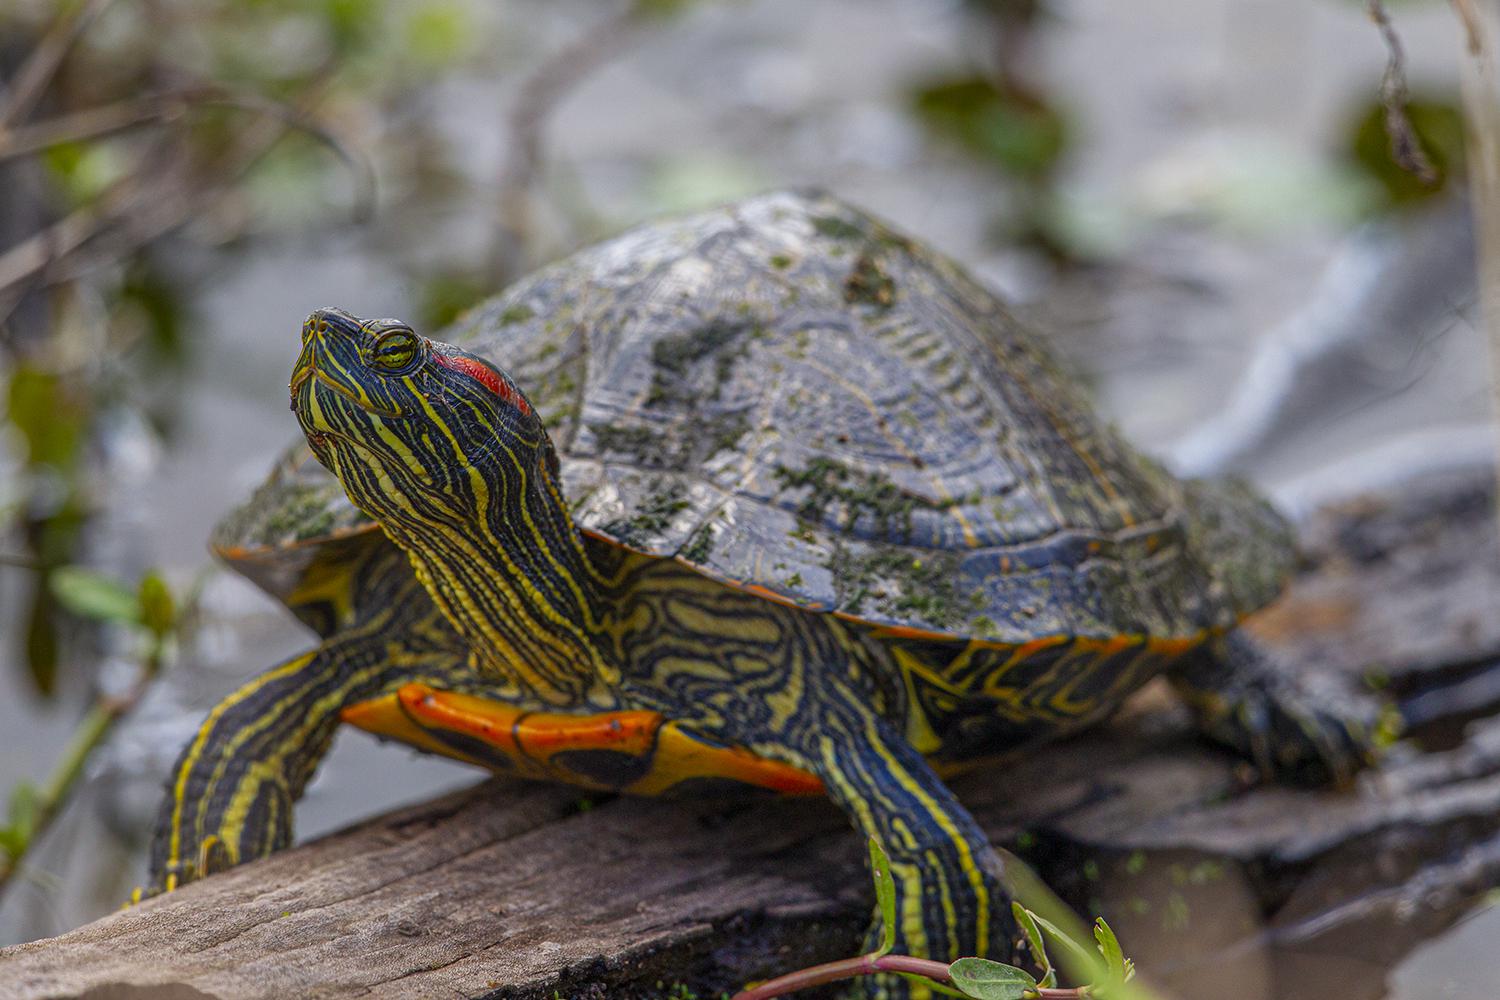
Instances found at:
x=885 y=896
x=1037 y=943
x=94 y=595
x=50 y=416
x=660 y=8
x=1436 y=120
x=1109 y=947
x=985 y=980
x=438 y=34
x=1011 y=129
x=157 y=611
x=1081 y=954
x=930 y=984
x=150 y=304
x=41 y=639
x=25 y=805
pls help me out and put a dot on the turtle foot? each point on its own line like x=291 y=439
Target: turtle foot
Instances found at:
x=1294 y=729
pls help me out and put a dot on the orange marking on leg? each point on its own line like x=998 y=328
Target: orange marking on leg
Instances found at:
x=484 y=719
x=680 y=757
x=543 y=735
x=385 y=717
x=418 y=714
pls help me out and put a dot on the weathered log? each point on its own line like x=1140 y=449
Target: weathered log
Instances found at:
x=1218 y=887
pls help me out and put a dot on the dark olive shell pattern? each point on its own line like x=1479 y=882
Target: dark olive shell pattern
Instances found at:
x=798 y=400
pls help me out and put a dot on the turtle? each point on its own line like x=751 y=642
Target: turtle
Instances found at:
x=770 y=496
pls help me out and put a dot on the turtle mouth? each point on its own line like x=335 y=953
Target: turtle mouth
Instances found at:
x=312 y=372
x=353 y=397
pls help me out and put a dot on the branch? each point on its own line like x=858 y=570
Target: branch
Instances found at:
x=36 y=73
x=1406 y=147
x=89 y=734
x=151 y=201
x=868 y=965
x=1480 y=78
x=170 y=105
x=543 y=90
x=1469 y=17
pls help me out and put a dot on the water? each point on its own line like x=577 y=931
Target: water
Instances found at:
x=1191 y=119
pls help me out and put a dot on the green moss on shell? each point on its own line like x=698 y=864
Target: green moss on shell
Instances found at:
x=832 y=484
x=902 y=586
x=647 y=524
x=836 y=228
x=699 y=546
x=673 y=358
x=869 y=284
x=280 y=514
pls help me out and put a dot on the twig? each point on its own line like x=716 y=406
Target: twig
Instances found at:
x=90 y=124
x=1482 y=113
x=165 y=107
x=1406 y=147
x=540 y=94
x=1469 y=17
x=148 y=203
x=36 y=73
x=867 y=965
x=36 y=254
x=19 y=562
x=89 y=734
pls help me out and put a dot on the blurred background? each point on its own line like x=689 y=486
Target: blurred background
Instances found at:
x=1196 y=200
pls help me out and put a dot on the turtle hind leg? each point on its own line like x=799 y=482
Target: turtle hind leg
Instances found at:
x=1295 y=729
x=230 y=795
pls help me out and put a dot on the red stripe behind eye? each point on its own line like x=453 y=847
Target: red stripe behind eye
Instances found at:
x=485 y=376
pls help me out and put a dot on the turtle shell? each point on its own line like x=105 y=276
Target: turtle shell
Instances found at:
x=797 y=400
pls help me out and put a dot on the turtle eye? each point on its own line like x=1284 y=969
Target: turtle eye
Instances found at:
x=394 y=351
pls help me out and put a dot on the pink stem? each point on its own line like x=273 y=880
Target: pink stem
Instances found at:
x=865 y=965
x=846 y=968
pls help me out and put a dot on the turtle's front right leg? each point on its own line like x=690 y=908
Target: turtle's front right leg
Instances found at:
x=230 y=795
x=950 y=901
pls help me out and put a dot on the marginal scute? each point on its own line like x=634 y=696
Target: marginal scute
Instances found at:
x=298 y=504
x=796 y=399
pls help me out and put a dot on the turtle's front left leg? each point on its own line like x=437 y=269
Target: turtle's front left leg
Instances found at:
x=230 y=795
x=1294 y=729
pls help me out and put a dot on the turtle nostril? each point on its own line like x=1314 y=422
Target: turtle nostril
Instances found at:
x=331 y=322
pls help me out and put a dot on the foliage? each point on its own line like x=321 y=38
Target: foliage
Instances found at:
x=1011 y=129
x=148 y=609
x=1106 y=972
x=885 y=896
x=1438 y=125
x=99 y=330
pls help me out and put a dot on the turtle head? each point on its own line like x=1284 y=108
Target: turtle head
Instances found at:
x=443 y=450
x=395 y=416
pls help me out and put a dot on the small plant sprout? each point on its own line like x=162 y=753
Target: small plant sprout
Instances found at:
x=1109 y=972
x=150 y=611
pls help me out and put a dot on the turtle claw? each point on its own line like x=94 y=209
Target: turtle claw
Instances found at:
x=1307 y=737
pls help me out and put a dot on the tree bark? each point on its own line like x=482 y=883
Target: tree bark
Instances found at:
x=1216 y=886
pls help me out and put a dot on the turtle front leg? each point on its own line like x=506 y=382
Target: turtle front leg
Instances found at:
x=949 y=900
x=1291 y=728
x=229 y=797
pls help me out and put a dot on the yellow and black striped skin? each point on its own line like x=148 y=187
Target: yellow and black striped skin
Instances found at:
x=448 y=456
x=230 y=795
x=828 y=540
